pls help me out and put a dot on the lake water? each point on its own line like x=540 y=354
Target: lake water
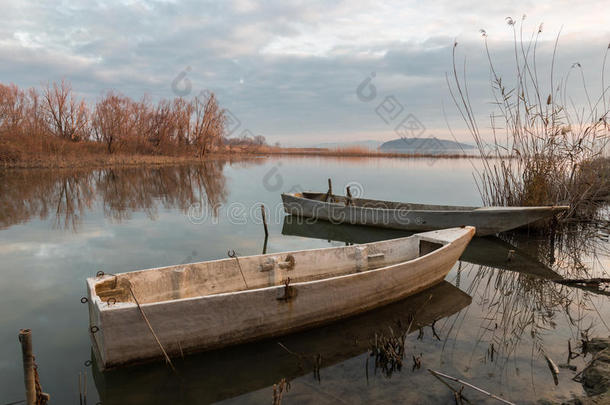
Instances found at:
x=490 y=323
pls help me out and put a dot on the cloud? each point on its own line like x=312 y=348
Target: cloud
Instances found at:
x=289 y=70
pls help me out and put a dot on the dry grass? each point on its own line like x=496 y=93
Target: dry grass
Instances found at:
x=556 y=147
x=51 y=152
x=346 y=152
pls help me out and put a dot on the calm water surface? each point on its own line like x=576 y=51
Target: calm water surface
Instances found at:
x=490 y=323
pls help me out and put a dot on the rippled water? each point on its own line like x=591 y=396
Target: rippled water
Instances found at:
x=490 y=323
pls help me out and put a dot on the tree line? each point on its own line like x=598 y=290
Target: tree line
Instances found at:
x=117 y=122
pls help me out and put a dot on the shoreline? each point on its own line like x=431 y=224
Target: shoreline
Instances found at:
x=130 y=160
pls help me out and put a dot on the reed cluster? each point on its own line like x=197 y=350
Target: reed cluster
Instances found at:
x=389 y=351
x=544 y=148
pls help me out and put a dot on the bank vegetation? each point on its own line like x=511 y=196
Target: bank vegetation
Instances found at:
x=557 y=146
x=54 y=127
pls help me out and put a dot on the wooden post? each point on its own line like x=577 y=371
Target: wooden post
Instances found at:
x=264 y=216
x=329 y=195
x=25 y=338
x=265 y=245
x=349 y=196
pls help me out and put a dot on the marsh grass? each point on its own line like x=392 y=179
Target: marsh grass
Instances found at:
x=545 y=149
x=388 y=348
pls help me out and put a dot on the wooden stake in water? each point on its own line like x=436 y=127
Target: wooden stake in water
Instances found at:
x=329 y=196
x=264 y=216
x=25 y=338
x=265 y=245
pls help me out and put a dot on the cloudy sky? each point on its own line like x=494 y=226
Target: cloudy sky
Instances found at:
x=290 y=70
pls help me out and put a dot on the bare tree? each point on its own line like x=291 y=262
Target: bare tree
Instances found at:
x=66 y=116
x=112 y=120
x=168 y=127
x=161 y=124
x=208 y=123
x=143 y=126
x=13 y=103
x=182 y=111
x=34 y=114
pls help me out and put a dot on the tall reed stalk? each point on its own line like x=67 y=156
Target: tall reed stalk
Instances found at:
x=544 y=149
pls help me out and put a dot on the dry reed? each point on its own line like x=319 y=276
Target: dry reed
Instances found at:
x=555 y=147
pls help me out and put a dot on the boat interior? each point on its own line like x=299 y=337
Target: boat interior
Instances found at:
x=390 y=205
x=254 y=272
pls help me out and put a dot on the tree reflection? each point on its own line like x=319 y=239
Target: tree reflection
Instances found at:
x=62 y=195
x=65 y=196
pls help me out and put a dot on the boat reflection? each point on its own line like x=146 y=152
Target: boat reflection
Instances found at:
x=488 y=251
x=226 y=373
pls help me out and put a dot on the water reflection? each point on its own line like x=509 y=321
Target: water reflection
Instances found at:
x=65 y=196
x=517 y=315
x=518 y=303
x=523 y=308
x=227 y=373
x=62 y=195
x=516 y=281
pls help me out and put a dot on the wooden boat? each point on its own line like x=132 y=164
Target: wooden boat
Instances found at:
x=487 y=251
x=230 y=372
x=412 y=217
x=207 y=305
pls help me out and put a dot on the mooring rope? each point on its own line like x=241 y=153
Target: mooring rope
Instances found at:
x=41 y=397
x=167 y=359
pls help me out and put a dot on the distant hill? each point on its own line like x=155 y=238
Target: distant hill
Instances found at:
x=424 y=145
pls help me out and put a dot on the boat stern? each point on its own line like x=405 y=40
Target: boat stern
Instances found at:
x=105 y=307
x=95 y=322
x=455 y=240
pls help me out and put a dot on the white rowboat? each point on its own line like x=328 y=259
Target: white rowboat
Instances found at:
x=412 y=217
x=207 y=305
x=218 y=375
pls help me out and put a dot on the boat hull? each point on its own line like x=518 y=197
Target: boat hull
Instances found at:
x=487 y=221
x=230 y=372
x=209 y=322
